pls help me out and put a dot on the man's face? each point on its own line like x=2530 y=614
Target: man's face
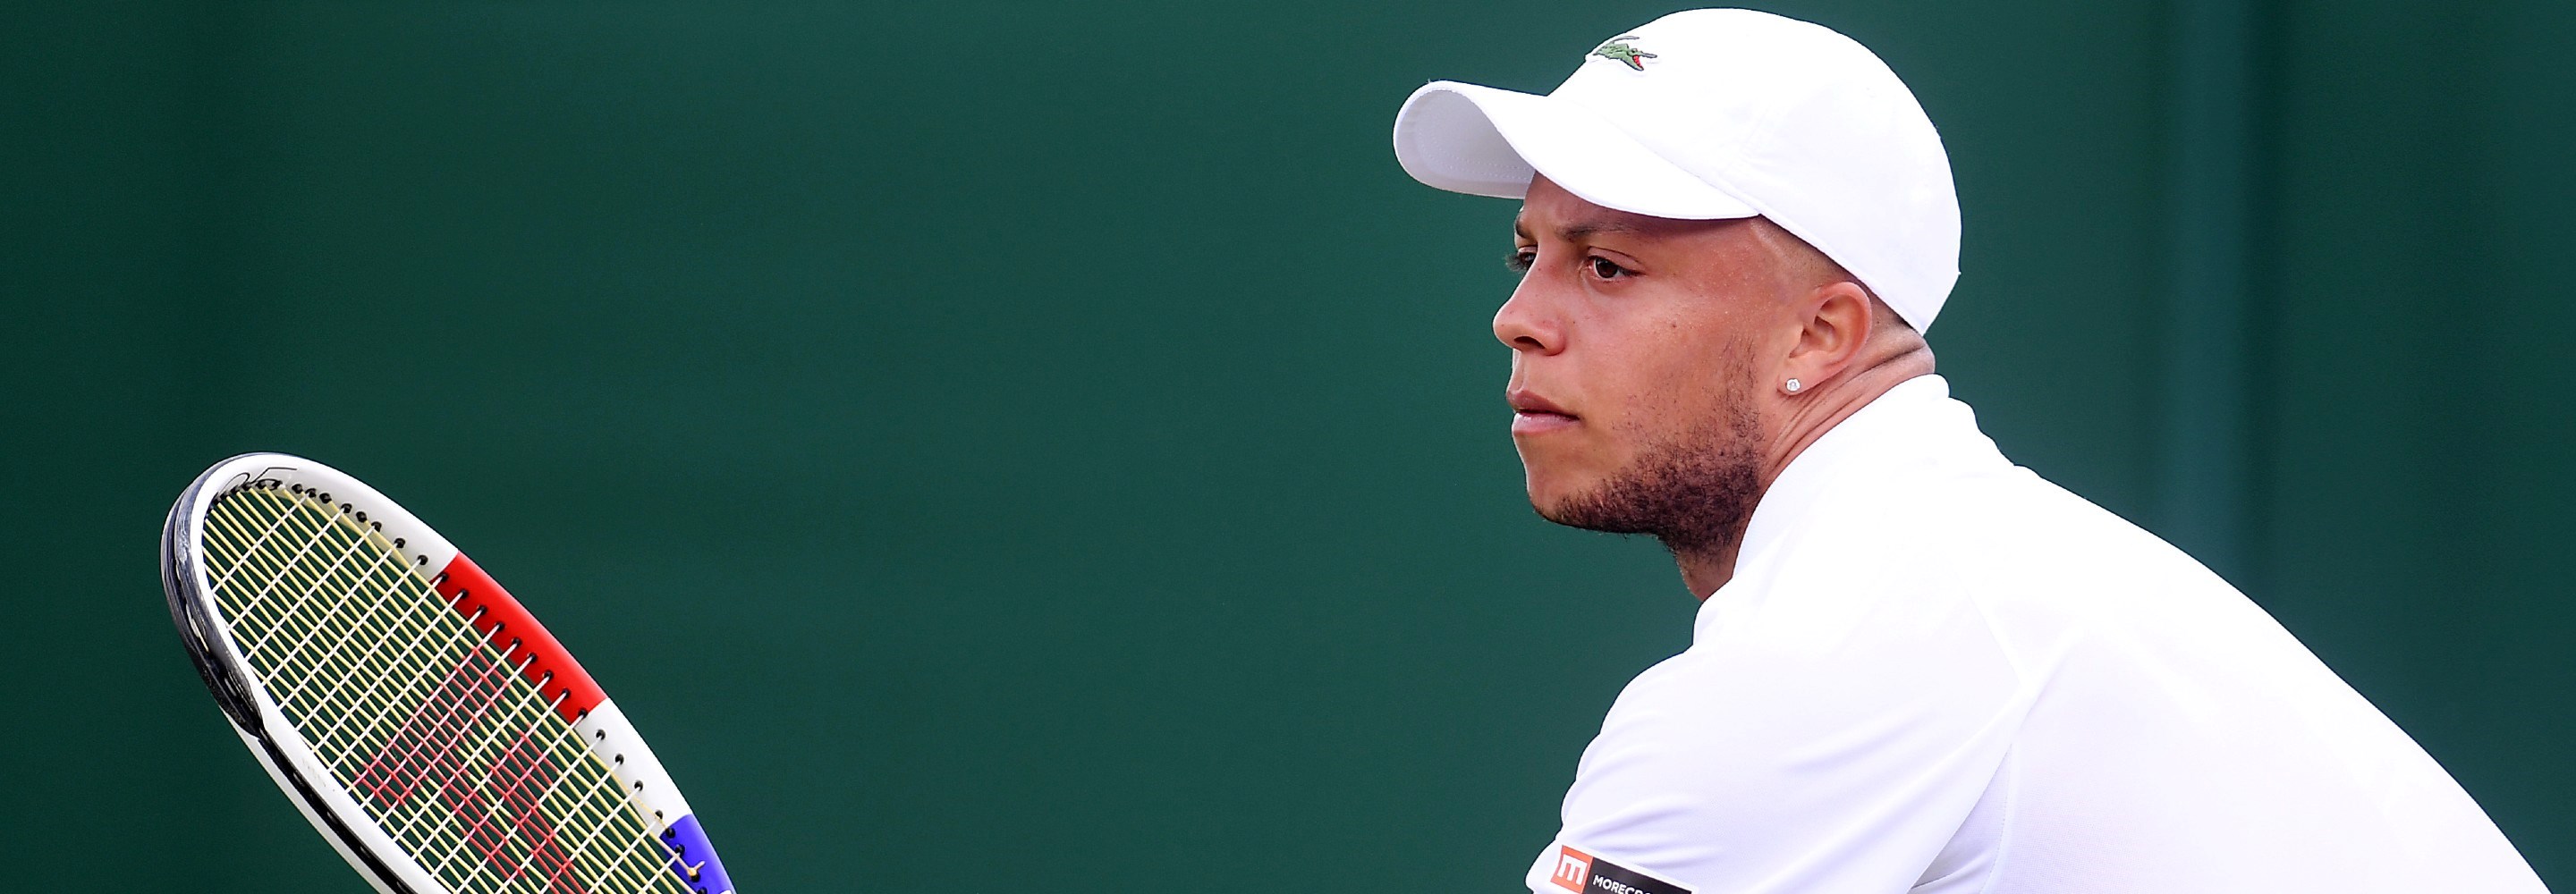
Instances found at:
x=1635 y=352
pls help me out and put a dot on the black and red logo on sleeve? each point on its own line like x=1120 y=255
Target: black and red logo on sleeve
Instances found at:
x=1583 y=873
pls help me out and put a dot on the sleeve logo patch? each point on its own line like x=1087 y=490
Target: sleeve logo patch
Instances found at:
x=1583 y=873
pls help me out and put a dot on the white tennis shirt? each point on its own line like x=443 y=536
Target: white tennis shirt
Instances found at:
x=1934 y=671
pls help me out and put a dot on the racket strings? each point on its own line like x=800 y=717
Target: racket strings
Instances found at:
x=481 y=825
x=418 y=712
x=483 y=822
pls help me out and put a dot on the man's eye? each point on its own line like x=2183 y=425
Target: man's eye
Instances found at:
x=1520 y=260
x=1604 y=268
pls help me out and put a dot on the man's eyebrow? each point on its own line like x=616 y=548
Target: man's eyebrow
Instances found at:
x=1579 y=230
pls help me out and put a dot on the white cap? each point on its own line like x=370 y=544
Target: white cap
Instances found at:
x=1720 y=113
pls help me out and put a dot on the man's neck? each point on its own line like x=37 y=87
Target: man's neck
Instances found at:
x=1799 y=421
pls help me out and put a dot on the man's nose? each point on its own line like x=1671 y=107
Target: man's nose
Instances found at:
x=1527 y=321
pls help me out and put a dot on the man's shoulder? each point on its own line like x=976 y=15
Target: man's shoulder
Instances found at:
x=2039 y=565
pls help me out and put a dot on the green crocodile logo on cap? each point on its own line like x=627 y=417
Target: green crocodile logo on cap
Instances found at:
x=1617 y=50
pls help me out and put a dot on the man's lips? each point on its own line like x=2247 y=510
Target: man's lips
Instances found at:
x=1532 y=414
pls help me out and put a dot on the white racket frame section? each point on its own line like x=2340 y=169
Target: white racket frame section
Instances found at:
x=605 y=730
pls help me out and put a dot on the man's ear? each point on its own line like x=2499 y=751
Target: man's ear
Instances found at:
x=1837 y=323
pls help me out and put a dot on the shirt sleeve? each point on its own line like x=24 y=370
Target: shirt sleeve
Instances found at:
x=1832 y=743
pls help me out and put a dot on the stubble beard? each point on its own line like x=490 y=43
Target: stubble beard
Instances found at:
x=1695 y=492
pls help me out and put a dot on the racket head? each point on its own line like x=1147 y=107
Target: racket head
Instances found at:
x=425 y=723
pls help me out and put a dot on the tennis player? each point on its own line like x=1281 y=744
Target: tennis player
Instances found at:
x=1917 y=666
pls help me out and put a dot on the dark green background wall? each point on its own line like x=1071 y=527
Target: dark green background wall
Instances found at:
x=1053 y=447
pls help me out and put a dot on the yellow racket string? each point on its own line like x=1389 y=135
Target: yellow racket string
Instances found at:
x=305 y=558
x=425 y=720
x=482 y=678
x=481 y=675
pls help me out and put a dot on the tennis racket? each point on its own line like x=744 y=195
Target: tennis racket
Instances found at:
x=433 y=731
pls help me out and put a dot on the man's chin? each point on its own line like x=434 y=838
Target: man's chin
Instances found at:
x=1551 y=498
x=1572 y=508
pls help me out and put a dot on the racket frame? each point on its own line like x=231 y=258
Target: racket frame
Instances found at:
x=289 y=758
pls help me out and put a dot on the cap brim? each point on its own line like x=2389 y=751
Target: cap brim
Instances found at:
x=1487 y=142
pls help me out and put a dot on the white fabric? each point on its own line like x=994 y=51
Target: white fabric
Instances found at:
x=1934 y=671
x=1735 y=113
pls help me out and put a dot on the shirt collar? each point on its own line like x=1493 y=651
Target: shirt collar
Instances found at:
x=1870 y=443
